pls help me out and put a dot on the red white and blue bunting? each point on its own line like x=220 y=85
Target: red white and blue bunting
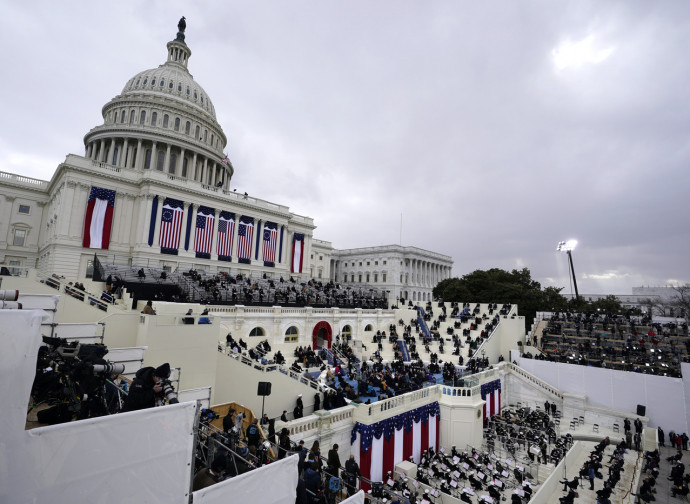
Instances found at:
x=380 y=446
x=491 y=393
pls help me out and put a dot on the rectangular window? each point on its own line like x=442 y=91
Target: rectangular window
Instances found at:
x=367 y=277
x=19 y=237
x=25 y=209
x=376 y=263
x=320 y=258
x=360 y=263
x=368 y=263
x=290 y=339
x=384 y=263
x=376 y=277
x=89 y=269
x=360 y=278
x=384 y=278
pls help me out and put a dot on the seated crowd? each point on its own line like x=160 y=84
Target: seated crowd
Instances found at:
x=616 y=342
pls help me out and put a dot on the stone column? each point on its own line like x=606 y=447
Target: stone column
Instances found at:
x=166 y=163
x=137 y=161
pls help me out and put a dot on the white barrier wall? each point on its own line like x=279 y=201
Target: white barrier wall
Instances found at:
x=193 y=348
x=664 y=398
x=282 y=476
x=141 y=456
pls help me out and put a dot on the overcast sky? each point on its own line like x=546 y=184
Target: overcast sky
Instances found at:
x=496 y=129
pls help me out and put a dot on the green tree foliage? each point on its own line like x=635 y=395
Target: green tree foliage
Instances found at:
x=500 y=286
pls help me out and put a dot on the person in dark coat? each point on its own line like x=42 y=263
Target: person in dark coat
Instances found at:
x=317 y=402
x=312 y=478
x=146 y=387
x=212 y=475
x=334 y=462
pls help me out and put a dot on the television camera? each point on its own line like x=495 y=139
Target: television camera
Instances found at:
x=74 y=379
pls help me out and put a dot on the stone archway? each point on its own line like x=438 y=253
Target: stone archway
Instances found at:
x=322 y=331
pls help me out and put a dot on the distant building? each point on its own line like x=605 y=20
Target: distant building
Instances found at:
x=409 y=273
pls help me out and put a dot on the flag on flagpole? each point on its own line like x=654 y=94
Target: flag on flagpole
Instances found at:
x=245 y=233
x=203 y=235
x=226 y=231
x=269 y=243
x=171 y=224
x=491 y=393
x=297 y=252
x=99 y=218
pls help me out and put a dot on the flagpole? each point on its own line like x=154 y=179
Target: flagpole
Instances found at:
x=401 y=228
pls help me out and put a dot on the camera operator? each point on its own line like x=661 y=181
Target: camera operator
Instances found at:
x=149 y=385
x=253 y=436
x=212 y=475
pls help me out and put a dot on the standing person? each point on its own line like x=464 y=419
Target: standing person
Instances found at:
x=553 y=409
x=283 y=443
x=317 y=402
x=547 y=407
x=299 y=407
x=684 y=439
x=637 y=439
x=626 y=425
x=638 y=426
x=353 y=473
x=591 y=474
x=660 y=436
x=253 y=436
x=334 y=462
x=283 y=417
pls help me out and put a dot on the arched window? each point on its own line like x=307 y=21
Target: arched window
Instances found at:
x=124 y=116
x=179 y=88
x=187 y=90
x=257 y=331
x=160 y=160
x=187 y=127
x=146 y=79
x=211 y=138
x=170 y=86
x=165 y=120
x=197 y=133
x=162 y=82
x=291 y=335
x=368 y=328
x=177 y=124
x=147 y=163
x=184 y=166
x=154 y=118
x=153 y=82
x=142 y=117
x=173 y=163
x=115 y=152
x=205 y=135
x=346 y=332
x=116 y=116
x=131 y=117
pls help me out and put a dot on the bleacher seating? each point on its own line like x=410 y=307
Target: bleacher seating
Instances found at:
x=616 y=342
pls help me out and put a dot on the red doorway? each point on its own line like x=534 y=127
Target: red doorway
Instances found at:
x=322 y=331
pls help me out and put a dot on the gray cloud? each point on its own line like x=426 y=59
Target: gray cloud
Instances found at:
x=451 y=113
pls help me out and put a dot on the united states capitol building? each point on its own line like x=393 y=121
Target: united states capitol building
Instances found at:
x=161 y=145
x=153 y=192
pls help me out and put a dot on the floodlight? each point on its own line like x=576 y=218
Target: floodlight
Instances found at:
x=567 y=247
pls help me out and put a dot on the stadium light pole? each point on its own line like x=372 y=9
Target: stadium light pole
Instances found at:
x=567 y=247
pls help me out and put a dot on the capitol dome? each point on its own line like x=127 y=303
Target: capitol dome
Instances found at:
x=164 y=120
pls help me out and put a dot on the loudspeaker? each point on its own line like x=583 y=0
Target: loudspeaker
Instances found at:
x=641 y=410
x=264 y=388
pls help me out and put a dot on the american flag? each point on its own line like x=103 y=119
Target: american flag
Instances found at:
x=203 y=236
x=269 y=245
x=245 y=232
x=226 y=230
x=171 y=224
x=99 y=218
